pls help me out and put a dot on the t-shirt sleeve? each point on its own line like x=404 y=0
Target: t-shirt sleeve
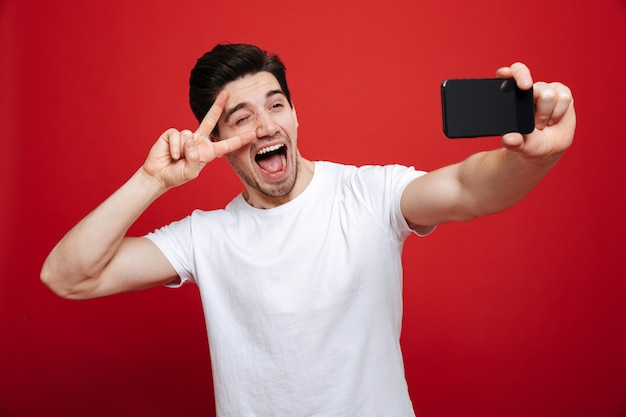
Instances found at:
x=175 y=241
x=399 y=179
x=386 y=185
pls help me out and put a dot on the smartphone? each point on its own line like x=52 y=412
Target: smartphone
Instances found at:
x=478 y=107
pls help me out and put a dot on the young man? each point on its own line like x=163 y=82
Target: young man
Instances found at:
x=300 y=275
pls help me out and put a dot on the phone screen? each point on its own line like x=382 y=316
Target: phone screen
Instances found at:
x=485 y=107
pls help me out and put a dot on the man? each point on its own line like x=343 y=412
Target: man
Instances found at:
x=300 y=275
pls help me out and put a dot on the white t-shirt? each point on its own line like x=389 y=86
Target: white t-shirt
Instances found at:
x=303 y=302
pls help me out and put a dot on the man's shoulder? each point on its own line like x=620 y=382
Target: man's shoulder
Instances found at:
x=365 y=170
x=214 y=215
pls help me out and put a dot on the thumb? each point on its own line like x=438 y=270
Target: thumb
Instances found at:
x=513 y=141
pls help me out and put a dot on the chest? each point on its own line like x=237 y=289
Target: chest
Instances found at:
x=329 y=253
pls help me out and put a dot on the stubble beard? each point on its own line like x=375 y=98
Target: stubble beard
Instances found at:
x=270 y=190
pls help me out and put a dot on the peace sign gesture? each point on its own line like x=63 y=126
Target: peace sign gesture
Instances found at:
x=179 y=156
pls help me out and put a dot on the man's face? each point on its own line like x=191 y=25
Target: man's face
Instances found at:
x=269 y=166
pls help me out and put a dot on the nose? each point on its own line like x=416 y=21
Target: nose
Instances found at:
x=265 y=125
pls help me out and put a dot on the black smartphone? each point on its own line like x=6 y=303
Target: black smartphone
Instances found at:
x=477 y=107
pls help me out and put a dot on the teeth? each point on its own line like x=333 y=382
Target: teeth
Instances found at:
x=269 y=149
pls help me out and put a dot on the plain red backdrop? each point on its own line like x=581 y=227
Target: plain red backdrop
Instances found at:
x=522 y=313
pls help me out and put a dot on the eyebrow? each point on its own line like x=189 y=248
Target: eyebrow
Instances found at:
x=239 y=106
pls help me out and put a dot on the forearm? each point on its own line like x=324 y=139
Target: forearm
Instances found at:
x=496 y=180
x=86 y=249
x=493 y=181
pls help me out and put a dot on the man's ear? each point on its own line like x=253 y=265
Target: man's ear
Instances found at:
x=295 y=114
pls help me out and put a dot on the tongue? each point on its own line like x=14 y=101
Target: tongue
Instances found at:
x=272 y=163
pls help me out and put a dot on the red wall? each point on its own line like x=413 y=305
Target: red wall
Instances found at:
x=518 y=314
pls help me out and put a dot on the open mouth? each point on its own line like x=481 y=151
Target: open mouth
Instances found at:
x=272 y=159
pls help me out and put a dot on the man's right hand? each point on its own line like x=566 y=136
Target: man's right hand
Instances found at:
x=179 y=156
x=95 y=258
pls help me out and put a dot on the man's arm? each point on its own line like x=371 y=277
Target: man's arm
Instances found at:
x=492 y=181
x=95 y=258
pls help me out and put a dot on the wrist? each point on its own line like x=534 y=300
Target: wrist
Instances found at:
x=150 y=183
x=540 y=163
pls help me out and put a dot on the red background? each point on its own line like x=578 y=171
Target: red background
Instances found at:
x=522 y=313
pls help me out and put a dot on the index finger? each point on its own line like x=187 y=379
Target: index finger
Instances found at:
x=519 y=72
x=522 y=76
x=213 y=115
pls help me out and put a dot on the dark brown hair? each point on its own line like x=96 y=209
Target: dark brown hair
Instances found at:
x=226 y=63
